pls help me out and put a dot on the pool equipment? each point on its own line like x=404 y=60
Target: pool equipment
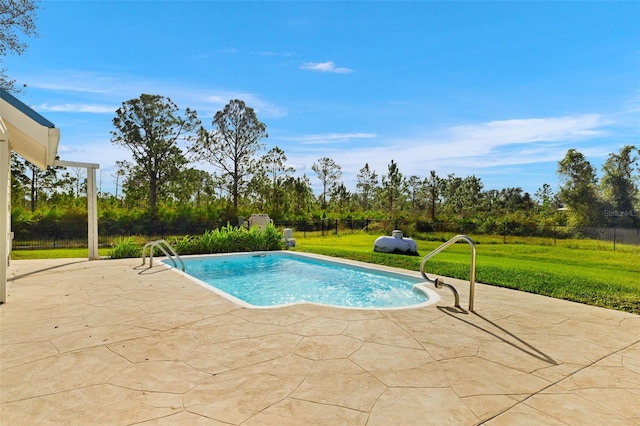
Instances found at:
x=288 y=239
x=259 y=219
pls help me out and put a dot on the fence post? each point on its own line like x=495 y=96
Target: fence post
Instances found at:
x=336 y=226
x=504 y=234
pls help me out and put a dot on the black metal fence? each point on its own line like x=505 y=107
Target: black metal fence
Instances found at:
x=74 y=234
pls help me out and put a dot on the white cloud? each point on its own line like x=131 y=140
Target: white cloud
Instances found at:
x=328 y=66
x=485 y=139
x=122 y=87
x=88 y=108
x=496 y=133
x=484 y=148
x=328 y=138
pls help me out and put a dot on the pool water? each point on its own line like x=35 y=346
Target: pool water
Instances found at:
x=270 y=279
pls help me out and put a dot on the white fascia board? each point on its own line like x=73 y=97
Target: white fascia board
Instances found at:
x=34 y=141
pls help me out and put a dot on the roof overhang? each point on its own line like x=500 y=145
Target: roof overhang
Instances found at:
x=31 y=135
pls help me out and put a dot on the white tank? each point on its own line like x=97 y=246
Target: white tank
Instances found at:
x=395 y=244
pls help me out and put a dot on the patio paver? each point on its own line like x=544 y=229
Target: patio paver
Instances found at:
x=111 y=342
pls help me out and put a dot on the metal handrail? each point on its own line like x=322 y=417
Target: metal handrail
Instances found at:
x=439 y=283
x=163 y=245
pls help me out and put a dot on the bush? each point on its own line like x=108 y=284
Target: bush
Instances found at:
x=124 y=248
x=230 y=239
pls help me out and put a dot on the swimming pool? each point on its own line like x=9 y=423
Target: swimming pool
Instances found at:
x=273 y=279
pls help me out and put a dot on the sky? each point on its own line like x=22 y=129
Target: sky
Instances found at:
x=499 y=90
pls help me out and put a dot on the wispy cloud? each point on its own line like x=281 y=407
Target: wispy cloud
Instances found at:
x=328 y=138
x=518 y=131
x=328 y=66
x=271 y=53
x=479 y=148
x=113 y=89
x=82 y=108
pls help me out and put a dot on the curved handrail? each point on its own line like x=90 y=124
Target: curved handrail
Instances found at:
x=162 y=245
x=439 y=283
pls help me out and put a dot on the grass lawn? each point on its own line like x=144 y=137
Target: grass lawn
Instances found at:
x=56 y=253
x=583 y=271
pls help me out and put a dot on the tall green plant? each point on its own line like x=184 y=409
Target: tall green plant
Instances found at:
x=125 y=248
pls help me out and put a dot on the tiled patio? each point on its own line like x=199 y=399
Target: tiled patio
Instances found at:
x=109 y=342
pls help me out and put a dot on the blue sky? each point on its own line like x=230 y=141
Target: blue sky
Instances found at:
x=498 y=90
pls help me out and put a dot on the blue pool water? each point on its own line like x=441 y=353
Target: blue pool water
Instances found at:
x=272 y=279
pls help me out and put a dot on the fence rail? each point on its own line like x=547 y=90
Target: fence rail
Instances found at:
x=75 y=234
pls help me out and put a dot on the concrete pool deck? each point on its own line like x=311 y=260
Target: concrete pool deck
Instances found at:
x=111 y=342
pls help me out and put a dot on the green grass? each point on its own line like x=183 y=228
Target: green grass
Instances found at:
x=583 y=271
x=55 y=253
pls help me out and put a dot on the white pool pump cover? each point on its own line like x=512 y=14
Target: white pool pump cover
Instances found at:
x=288 y=238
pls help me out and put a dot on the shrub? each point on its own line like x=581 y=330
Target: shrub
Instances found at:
x=125 y=247
x=230 y=239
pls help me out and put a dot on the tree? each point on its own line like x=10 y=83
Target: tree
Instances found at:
x=232 y=144
x=75 y=184
x=18 y=180
x=329 y=172
x=190 y=186
x=367 y=181
x=274 y=165
x=16 y=16
x=416 y=192
x=469 y=193
x=121 y=171
x=620 y=184
x=578 y=188
x=340 y=196
x=302 y=194
x=433 y=186
x=544 y=196
x=394 y=188
x=546 y=202
x=35 y=182
x=452 y=202
x=512 y=199
x=151 y=128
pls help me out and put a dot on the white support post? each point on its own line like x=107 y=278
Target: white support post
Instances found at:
x=92 y=203
x=5 y=214
x=92 y=212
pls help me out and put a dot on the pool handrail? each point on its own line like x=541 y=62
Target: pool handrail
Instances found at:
x=163 y=246
x=439 y=283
